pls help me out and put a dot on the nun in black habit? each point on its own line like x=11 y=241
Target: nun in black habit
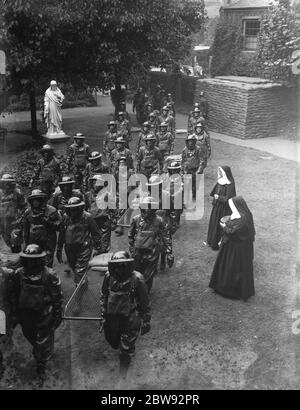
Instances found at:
x=222 y=192
x=232 y=275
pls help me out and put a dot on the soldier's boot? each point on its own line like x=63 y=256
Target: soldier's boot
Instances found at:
x=125 y=360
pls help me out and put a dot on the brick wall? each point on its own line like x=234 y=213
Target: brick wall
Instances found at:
x=245 y=107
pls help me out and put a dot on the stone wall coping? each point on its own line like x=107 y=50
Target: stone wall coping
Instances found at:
x=241 y=82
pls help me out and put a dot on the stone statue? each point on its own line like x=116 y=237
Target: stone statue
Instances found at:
x=52 y=109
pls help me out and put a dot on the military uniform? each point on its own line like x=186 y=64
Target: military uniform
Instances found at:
x=165 y=143
x=192 y=162
x=149 y=160
x=45 y=171
x=117 y=154
x=125 y=306
x=203 y=142
x=40 y=227
x=36 y=304
x=147 y=234
x=102 y=217
x=12 y=207
x=94 y=168
x=124 y=129
x=77 y=159
x=109 y=143
x=78 y=236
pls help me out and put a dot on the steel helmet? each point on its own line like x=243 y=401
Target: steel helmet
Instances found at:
x=75 y=202
x=95 y=155
x=37 y=194
x=66 y=181
x=33 y=251
x=7 y=178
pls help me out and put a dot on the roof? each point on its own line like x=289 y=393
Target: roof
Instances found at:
x=249 y=4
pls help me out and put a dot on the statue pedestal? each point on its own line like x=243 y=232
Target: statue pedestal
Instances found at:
x=59 y=142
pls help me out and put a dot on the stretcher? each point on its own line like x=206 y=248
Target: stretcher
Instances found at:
x=84 y=302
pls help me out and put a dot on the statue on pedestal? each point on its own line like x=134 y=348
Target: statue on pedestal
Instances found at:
x=52 y=110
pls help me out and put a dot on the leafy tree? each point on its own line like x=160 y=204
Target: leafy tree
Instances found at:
x=89 y=42
x=279 y=37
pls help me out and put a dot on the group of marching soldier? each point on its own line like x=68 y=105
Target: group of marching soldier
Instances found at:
x=62 y=213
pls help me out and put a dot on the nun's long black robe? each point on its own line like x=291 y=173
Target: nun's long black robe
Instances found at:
x=220 y=209
x=233 y=271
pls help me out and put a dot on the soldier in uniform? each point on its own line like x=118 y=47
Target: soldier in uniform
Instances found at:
x=77 y=158
x=109 y=139
x=165 y=143
x=118 y=152
x=146 y=235
x=102 y=216
x=35 y=298
x=141 y=137
x=194 y=120
x=154 y=120
x=6 y=326
x=192 y=161
x=65 y=192
x=125 y=307
x=94 y=167
x=158 y=98
x=47 y=169
x=78 y=234
x=203 y=141
x=171 y=103
x=148 y=109
x=40 y=224
x=149 y=159
x=123 y=128
x=12 y=207
x=165 y=118
x=123 y=109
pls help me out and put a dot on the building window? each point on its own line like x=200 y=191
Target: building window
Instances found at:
x=251 y=29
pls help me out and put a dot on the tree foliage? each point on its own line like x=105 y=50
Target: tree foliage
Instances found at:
x=279 y=37
x=225 y=49
x=88 y=42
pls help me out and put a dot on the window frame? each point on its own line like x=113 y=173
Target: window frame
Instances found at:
x=246 y=38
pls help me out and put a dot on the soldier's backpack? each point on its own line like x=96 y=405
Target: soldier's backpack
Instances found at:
x=121 y=297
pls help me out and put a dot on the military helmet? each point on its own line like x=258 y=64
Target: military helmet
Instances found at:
x=196 y=104
x=174 y=165
x=154 y=180
x=111 y=123
x=37 y=194
x=122 y=159
x=120 y=257
x=7 y=178
x=146 y=124
x=149 y=104
x=79 y=135
x=120 y=140
x=95 y=155
x=150 y=137
x=47 y=148
x=163 y=125
x=121 y=114
x=121 y=266
x=66 y=181
x=152 y=114
x=33 y=251
x=196 y=109
x=165 y=108
x=75 y=202
x=200 y=123
x=146 y=201
x=191 y=137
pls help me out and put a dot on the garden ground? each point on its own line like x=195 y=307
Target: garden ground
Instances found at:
x=198 y=339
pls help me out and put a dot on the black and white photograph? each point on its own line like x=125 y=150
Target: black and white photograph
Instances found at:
x=149 y=197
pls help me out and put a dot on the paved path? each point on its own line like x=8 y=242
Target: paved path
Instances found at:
x=279 y=147
x=276 y=146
